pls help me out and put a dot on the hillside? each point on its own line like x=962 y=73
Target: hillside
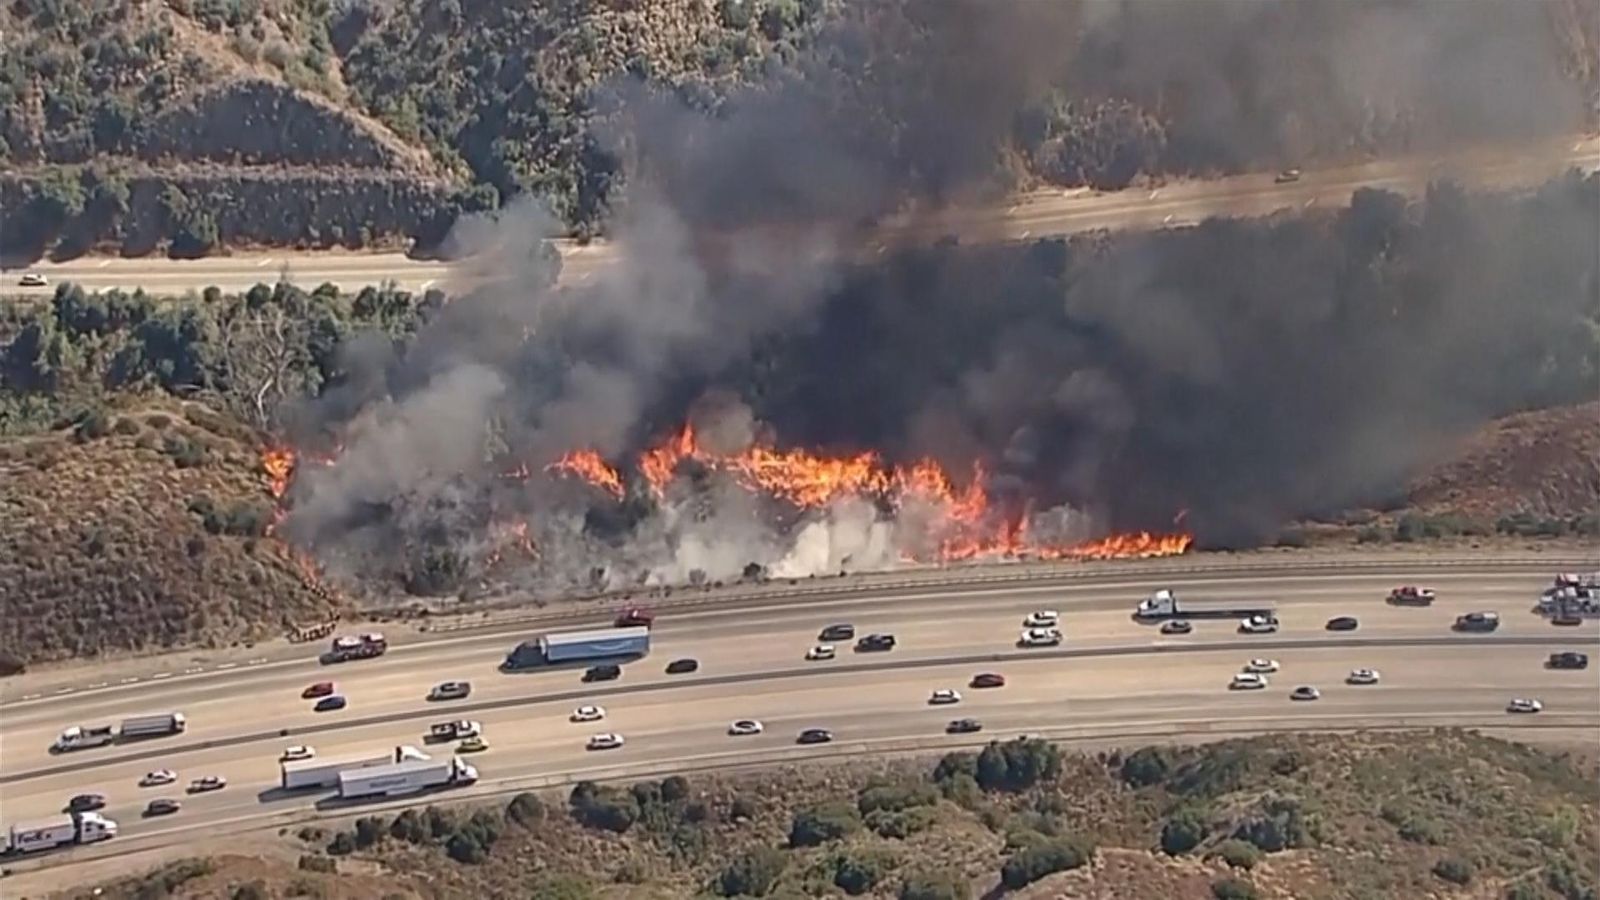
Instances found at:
x=457 y=107
x=1434 y=814
x=1544 y=464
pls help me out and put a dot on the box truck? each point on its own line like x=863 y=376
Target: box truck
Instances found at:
x=78 y=828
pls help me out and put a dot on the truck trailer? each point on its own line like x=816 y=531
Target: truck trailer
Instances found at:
x=311 y=773
x=61 y=831
x=408 y=777
x=581 y=646
x=153 y=726
x=1164 y=604
x=79 y=737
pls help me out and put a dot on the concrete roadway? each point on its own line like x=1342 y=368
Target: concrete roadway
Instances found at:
x=1040 y=214
x=1112 y=677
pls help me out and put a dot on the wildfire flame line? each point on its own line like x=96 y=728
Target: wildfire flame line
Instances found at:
x=587 y=465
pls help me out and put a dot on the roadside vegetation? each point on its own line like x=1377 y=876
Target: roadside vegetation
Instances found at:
x=1442 y=813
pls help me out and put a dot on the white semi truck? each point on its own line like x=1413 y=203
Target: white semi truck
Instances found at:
x=409 y=777
x=1164 y=604
x=309 y=773
x=78 y=828
x=79 y=737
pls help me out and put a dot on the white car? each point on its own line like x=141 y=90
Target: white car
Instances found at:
x=1044 y=618
x=1363 y=676
x=1260 y=666
x=297 y=752
x=944 y=697
x=605 y=741
x=588 y=714
x=33 y=279
x=1247 y=681
x=1524 y=705
x=208 y=783
x=159 y=776
x=821 y=651
x=1305 y=692
x=1259 y=625
x=1041 y=637
x=745 y=726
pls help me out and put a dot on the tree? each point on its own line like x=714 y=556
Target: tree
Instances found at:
x=1017 y=765
x=1059 y=855
x=1183 y=831
x=752 y=874
x=1146 y=766
x=822 y=823
x=525 y=809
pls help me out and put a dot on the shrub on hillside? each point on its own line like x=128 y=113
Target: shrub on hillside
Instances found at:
x=525 y=809
x=1017 y=765
x=822 y=823
x=1454 y=869
x=1231 y=888
x=935 y=885
x=1057 y=855
x=1183 y=831
x=1147 y=766
x=608 y=808
x=857 y=872
x=753 y=874
x=1238 y=854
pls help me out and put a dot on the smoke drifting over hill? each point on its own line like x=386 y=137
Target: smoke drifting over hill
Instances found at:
x=1230 y=377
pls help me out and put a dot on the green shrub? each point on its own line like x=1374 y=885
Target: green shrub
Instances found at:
x=896 y=797
x=1231 y=888
x=1183 y=831
x=311 y=862
x=1238 y=854
x=752 y=874
x=410 y=827
x=369 y=829
x=343 y=844
x=902 y=824
x=1279 y=825
x=608 y=808
x=1017 y=765
x=935 y=885
x=1454 y=869
x=822 y=823
x=251 y=890
x=1147 y=766
x=674 y=788
x=857 y=873
x=1034 y=863
x=525 y=809
x=743 y=807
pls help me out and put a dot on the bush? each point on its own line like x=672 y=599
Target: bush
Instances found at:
x=410 y=827
x=369 y=829
x=743 y=807
x=896 y=797
x=251 y=890
x=822 y=823
x=1238 y=854
x=962 y=789
x=1525 y=890
x=1017 y=765
x=935 y=885
x=464 y=847
x=311 y=862
x=1183 y=831
x=525 y=809
x=343 y=844
x=1453 y=869
x=857 y=873
x=1147 y=766
x=1231 y=888
x=1034 y=863
x=674 y=788
x=608 y=808
x=1280 y=825
x=11 y=664
x=954 y=765
x=902 y=824
x=752 y=874
x=92 y=424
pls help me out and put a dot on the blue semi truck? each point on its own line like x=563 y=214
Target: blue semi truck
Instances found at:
x=598 y=645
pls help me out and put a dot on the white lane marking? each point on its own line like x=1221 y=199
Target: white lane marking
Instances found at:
x=1024 y=235
x=226 y=666
x=1307 y=204
x=103 y=264
x=1167 y=220
x=1155 y=193
x=160 y=676
x=30 y=696
x=65 y=690
x=129 y=681
x=193 y=671
x=97 y=684
x=426 y=284
x=264 y=263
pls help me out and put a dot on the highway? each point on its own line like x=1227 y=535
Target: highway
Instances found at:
x=1035 y=215
x=1113 y=677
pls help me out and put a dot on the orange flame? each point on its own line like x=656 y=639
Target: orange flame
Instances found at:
x=504 y=535
x=587 y=465
x=278 y=463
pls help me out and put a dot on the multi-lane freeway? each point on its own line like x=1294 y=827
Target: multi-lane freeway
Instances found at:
x=1033 y=215
x=1113 y=678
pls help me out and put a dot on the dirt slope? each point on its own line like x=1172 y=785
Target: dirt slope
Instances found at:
x=1545 y=463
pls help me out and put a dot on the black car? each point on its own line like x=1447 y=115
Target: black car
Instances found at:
x=876 y=642
x=988 y=680
x=162 y=807
x=1477 y=621
x=1569 y=660
x=1343 y=623
x=86 y=802
x=963 y=726
x=815 y=736
x=328 y=704
x=838 y=633
x=1176 y=626
x=603 y=673
x=682 y=666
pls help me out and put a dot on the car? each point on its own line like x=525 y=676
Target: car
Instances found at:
x=1044 y=618
x=837 y=632
x=814 y=736
x=876 y=642
x=1568 y=659
x=320 y=689
x=158 y=776
x=1524 y=705
x=1343 y=623
x=633 y=617
x=606 y=741
x=1477 y=621
x=602 y=673
x=86 y=802
x=1041 y=637
x=1176 y=626
x=33 y=279
x=1260 y=666
x=474 y=744
x=988 y=680
x=1259 y=624
x=682 y=666
x=745 y=726
x=821 y=651
x=588 y=714
x=461 y=728
x=162 y=807
x=328 y=704
x=944 y=696
x=1305 y=692
x=1287 y=176
x=208 y=783
x=291 y=754
x=1247 y=681
x=451 y=690
x=1362 y=676
x=1411 y=595
x=963 y=726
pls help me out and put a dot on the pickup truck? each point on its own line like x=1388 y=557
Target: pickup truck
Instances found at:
x=449 y=731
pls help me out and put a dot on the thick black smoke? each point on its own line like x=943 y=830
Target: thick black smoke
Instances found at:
x=1244 y=372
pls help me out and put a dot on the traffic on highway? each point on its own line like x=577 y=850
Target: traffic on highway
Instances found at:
x=1332 y=643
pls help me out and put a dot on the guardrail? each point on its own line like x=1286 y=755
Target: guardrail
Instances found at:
x=588 y=608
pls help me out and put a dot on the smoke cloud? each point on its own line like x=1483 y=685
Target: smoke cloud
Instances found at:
x=1238 y=374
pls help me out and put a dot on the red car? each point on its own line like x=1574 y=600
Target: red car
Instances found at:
x=989 y=680
x=634 y=616
x=320 y=689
